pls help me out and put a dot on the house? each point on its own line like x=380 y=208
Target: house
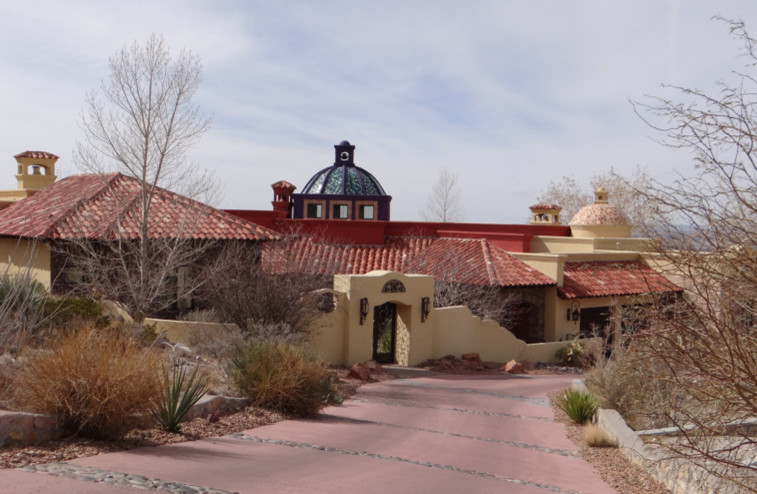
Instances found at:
x=42 y=227
x=565 y=280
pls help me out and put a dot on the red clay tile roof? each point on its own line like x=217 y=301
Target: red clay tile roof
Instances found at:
x=610 y=278
x=36 y=155
x=542 y=205
x=470 y=261
x=107 y=206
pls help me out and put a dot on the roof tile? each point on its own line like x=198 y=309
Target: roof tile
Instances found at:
x=583 y=279
x=470 y=261
x=100 y=206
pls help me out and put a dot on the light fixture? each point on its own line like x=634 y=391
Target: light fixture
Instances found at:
x=573 y=314
x=363 y=310
x=425 y=308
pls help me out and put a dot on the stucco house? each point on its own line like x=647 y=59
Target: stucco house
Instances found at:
x=39 y=224
x=568 y=280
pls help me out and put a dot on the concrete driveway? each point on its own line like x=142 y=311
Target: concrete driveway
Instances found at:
x=424 y=433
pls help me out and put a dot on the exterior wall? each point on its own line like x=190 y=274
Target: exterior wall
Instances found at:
x=457 y=331
x=382 y=203
x=19 y=255
x=576 y=245
x=599 y=231
x=544 y=352
x=340 y=339
x=556 y=245
x=328 y=332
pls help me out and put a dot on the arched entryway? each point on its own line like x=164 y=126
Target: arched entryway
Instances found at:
x=385 y=333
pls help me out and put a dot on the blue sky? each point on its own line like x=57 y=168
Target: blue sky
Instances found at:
x=510 y=95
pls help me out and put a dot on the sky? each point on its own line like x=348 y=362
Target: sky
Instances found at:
x=510 y=95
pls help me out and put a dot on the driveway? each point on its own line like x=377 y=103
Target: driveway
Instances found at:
x=423 y=433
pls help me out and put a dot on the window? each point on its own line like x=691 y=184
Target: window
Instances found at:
x=314 y=210
x=340 y=211
x=365 y=212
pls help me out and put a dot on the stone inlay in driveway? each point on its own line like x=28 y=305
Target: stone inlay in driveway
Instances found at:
x=452 y=468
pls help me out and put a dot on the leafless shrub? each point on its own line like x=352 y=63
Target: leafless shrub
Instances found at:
x=254 y=294
x=706 y=340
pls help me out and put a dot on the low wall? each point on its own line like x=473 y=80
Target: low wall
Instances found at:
x=179 y=331
x=457 y=331
x=545 y=352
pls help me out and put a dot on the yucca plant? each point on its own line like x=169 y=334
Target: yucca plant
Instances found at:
x=180 y=395
x=580 y=406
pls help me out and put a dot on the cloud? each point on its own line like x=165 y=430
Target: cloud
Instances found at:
x=511 y=95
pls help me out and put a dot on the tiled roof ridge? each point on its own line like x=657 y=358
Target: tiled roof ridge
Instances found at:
x=108 y=180
x=488 y=262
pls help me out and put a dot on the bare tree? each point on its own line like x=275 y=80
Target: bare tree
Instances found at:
x=622 y=192
x=141 y=123
x=444 y=202
x=707 y=341
x=263 y=287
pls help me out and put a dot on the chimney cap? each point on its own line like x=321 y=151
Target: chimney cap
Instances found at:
x=37 y=155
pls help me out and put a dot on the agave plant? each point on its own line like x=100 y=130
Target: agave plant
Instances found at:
x=181 y=394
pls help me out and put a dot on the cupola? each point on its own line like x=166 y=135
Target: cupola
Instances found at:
x=342 y=191
x=600 y=219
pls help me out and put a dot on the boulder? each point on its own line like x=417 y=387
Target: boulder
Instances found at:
x=513 y=367
x=360 y=371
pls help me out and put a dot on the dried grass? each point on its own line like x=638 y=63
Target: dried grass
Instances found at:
x=283 y=377
x=97 y=383
x=597 y=437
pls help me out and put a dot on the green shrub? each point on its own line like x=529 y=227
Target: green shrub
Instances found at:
x=179 y=396
x=571 y=354
x=282 y=377
x=580 y=406
x=67 y=310
x=97 y=383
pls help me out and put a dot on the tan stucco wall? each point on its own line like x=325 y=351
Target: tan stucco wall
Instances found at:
x=340 y=339
x=180 y=331
x=19 y=255
x=556 y=245
x=545 y=352
x=458 y=331
x=599 y=231
x=359 y=337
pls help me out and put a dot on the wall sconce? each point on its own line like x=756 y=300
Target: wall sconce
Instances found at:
x=573 y=314
x=363 y=310
x=425 y=308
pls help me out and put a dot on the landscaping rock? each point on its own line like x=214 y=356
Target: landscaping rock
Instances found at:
x=360 y=371
x=513 y=367
x=471 y=357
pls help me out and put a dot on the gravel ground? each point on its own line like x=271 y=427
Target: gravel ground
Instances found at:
x=610 y=463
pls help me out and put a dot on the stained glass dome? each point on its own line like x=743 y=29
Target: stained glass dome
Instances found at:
x=344 y=177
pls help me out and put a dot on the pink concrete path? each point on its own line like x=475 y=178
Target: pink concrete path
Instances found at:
x=424 y=433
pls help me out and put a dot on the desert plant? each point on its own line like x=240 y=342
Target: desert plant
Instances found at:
x=580 y=406
x=571 y=354
x=97 y=383
x=597 y=437
x=180 y=394
x=22 y=309
x=282 y=377
x=637 y=384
